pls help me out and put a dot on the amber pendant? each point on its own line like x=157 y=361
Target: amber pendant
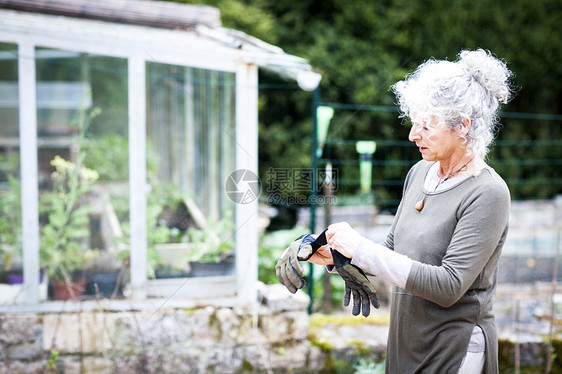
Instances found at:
x=419 y=204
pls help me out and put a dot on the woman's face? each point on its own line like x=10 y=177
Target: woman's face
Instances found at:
x=435 y=141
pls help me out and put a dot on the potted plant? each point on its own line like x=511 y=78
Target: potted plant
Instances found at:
x=65 y=220
x=210 y=247
x=63 y=244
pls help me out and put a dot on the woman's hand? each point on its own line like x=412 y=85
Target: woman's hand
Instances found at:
x=343 y=238
x=323 y=256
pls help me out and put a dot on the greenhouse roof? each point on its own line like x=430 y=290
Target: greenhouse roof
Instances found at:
x=161 y=14
x=170 y=27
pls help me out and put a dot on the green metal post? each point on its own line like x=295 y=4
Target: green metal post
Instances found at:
x=313 y=192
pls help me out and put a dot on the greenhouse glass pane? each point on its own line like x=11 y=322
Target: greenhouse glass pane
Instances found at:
x=83 y=152
x=190 y=140
x=11 y=262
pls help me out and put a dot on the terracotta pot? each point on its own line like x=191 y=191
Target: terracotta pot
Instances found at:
x=64 y=291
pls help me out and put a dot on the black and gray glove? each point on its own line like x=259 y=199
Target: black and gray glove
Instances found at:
x=356 y=283
x=288 y=270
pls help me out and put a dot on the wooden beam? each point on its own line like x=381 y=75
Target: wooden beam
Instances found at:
x=159 y=14
x=247 y=158
x=137 y=175
x=29 y=171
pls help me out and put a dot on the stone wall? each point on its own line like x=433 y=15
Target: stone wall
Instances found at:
x=275 y=336
x=270 y=337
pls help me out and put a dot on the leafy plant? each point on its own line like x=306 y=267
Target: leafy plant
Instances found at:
x=63 y=248
x=53 y=359
x=213 y=242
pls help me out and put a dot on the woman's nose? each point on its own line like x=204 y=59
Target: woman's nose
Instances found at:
x=414 y=134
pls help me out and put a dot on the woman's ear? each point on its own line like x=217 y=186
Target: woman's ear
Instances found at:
x=464 y=127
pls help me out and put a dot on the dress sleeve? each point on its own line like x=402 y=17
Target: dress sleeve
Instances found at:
x=378 y=260
x=481 y=226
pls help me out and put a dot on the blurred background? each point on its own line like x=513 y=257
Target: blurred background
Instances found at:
x=361 y=48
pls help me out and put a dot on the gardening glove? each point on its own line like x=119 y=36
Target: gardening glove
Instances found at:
x=288 y=270
x=356 y=283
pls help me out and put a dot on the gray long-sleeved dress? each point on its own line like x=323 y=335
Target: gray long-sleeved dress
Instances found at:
x=456 y=241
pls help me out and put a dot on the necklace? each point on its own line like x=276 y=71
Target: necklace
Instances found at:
x=419 y=204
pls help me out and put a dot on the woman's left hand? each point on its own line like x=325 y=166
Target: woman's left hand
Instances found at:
x=343 y=238
x=323 y=256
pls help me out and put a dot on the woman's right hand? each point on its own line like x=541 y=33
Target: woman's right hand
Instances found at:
x=323 y=256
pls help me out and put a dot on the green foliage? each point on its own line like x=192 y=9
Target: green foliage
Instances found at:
x=9 y=164
x=53 y=359
x=155 y=234
x=363 y=47
x=10 y=210
x=250 y=17
x=109 y=156
x=368 y=367
x=212 y=242
x=108 y=78
x=9 y=67
x=10 y=223
x=161 y=197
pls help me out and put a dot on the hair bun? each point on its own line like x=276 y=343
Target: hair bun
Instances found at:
x=490 y=72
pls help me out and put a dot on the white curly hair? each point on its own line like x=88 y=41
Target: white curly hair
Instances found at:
x=472 y=87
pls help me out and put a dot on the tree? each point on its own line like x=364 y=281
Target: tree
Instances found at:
x=363 y=47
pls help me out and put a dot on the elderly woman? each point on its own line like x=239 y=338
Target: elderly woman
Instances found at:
x=442 y=251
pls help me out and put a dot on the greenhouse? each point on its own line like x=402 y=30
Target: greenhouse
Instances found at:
x=119 y=126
